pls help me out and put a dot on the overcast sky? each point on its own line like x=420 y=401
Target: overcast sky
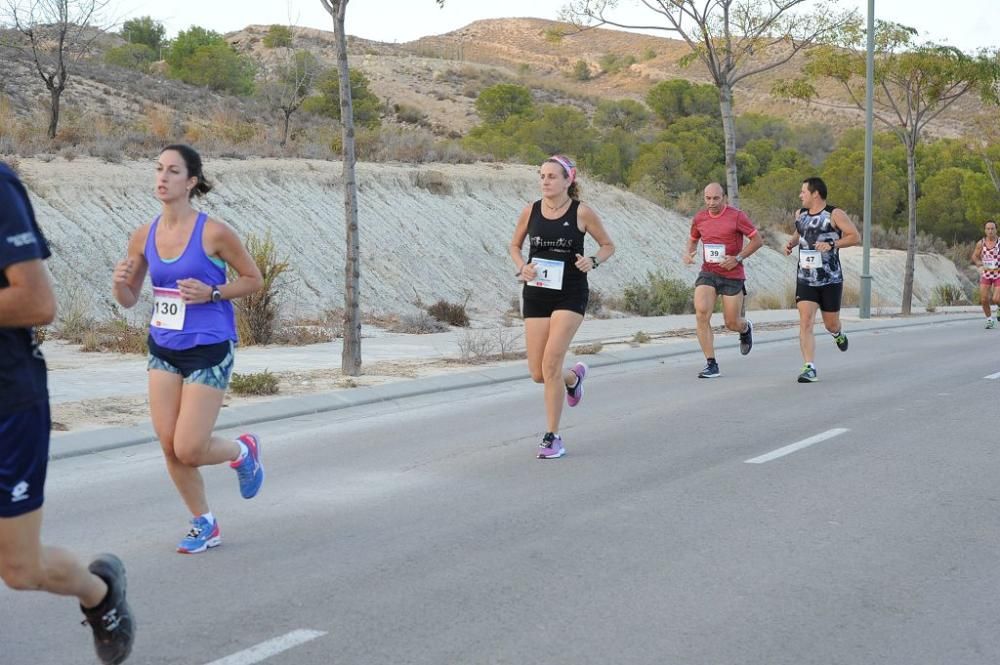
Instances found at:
x=968 y=24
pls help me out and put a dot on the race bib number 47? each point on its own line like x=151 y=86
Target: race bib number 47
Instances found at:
x=548 y=274
x=168 y=309
x=810 y=259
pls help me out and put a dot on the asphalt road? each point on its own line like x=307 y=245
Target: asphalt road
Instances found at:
x=425 y=532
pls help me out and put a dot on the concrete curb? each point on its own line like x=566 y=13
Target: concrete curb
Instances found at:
x=111 y=438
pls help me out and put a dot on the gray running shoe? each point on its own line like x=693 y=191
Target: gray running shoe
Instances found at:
x=808 y=375
x=746 y=338
x=841 y=340
x=711 y=371
x=111 y=621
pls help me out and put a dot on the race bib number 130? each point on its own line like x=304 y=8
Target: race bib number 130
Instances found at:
x=168 y=309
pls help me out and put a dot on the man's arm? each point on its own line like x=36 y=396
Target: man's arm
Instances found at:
x=28 y=300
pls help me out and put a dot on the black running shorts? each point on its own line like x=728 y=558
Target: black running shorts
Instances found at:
x=540 y=303
x=828 y=297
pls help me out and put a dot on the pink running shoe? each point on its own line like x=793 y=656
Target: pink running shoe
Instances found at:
x=575 y=394
x=551 y=447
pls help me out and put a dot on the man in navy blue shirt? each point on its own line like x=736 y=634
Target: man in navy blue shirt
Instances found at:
x=27 y=300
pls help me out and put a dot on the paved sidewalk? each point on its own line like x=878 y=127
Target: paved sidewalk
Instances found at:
x=128 y=377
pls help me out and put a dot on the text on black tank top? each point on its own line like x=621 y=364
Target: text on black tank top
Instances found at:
x=557 y=239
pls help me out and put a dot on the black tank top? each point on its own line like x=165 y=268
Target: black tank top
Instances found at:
x=557 y=240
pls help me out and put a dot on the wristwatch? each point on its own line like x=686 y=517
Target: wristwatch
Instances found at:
x=595 y=261
x=216 y=294
x=739 y=259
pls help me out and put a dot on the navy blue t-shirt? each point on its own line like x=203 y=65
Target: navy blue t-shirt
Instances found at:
x=22 y=367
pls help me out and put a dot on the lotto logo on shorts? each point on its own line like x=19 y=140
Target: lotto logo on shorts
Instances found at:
x=22 y=239
x=19 y=493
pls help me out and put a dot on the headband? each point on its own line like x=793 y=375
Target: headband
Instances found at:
x=567 y=166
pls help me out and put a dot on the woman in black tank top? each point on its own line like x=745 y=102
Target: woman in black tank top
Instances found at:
x=555 y=288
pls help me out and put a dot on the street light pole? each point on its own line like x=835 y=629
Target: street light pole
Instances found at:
x=865 y=304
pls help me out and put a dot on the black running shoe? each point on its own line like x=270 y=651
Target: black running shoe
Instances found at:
x=710 y=372
x=841 y=340
x=111 y=621
x=746 y=339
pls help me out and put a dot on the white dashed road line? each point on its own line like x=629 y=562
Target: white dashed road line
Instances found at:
x=265 y=650
x=992 y=376
x=804 y=443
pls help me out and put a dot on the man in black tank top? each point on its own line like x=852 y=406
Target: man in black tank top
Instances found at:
x=821 y=231
x=555 y=290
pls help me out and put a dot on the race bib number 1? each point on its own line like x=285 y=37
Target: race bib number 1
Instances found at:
x=548 y=274
x=714 y=253
x=168 y=309
x=810 y=259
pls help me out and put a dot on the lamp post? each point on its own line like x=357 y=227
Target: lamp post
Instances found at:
x=865 y=304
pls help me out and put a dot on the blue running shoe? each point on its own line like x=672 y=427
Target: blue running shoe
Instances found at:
x=201 y=536
x=249 y=470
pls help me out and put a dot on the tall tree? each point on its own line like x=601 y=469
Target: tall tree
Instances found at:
x=351 y=357
x=914 y=84
x=144 y=30
x=58 y=33
x=289 y=83
x=733 y=39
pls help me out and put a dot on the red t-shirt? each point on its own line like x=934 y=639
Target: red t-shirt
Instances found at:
x=728 y=229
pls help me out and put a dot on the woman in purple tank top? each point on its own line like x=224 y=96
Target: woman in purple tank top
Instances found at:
x=192 y=334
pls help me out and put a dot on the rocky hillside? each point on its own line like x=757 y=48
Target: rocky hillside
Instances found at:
x=427 y=232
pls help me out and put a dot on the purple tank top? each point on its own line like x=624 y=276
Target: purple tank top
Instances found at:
x=204 y=323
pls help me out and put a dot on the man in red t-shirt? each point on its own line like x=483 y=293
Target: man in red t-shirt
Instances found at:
x=722 y=230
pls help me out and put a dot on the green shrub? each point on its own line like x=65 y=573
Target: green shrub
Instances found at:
x=257 y=383
x=659 y=296
x=131 y=56
x=278 y=36
x=257 y=313
x=581 y=71
x=948 y=294
x=453 y=314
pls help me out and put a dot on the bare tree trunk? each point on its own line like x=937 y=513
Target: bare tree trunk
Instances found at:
x=284 y=130
x=991 y=171
x=54 y=94
x=911 y=236
x=351 y=357
x=729 y=132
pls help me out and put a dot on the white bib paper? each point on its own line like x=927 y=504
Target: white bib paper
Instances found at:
x=714 y=253
x=810 y=259
x=168 y=309
x=990 y=264
x=548 y=274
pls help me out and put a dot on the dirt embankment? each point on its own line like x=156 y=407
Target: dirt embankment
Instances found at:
x=427 y=232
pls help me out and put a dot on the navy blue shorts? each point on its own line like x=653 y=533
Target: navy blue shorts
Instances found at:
x=24 y=458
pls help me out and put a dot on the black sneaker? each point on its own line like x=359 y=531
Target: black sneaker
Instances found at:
x=111 y=621
x=710 y=372
x=841 y=340
x=746 y=339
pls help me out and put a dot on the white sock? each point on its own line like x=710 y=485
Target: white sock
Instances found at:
x=210 y=517
x=243 y=451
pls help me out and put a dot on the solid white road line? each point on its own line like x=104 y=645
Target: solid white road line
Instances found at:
x=993 y=376
x=804 y=443
x=265 y=650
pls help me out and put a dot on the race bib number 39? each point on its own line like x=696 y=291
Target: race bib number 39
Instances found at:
x=714 y=253
x=810 y=259
x=548 y=274
x=168 y=309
